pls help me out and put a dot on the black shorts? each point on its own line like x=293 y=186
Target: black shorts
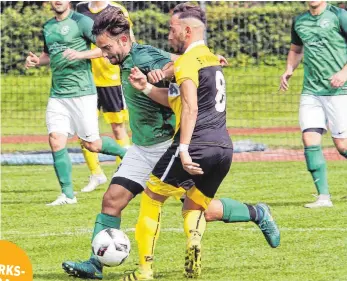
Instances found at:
x=110 y=99
x=215 y=161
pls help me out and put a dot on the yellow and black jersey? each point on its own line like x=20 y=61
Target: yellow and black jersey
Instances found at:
x=201 y=66
x=105 y=74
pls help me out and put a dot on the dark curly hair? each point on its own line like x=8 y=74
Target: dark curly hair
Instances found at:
x=186 y=10
x=111 y=20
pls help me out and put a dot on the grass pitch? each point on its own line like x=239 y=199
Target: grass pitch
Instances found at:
x=313 y=242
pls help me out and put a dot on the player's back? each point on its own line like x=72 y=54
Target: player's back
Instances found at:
x=201 y=66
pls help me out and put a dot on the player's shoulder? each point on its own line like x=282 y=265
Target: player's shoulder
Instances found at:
x=200 y=56
x=117 y=5
x=303 y=16
x=339 y=12
x=141 y=53
x=82 y=7
x=48 y=22
x=78 y=17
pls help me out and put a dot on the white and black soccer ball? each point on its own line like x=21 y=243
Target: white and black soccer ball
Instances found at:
x=111 y=246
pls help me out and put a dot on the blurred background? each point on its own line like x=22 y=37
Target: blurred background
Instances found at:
x=254 y=36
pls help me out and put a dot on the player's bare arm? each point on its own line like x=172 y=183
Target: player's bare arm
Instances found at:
x=76 y=55
x=33 y=60
x=294 y=58
x=158 y=75
x=189 y=99
x=139 y=81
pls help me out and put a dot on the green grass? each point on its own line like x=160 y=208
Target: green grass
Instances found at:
x=313 y=242
x=253 y=100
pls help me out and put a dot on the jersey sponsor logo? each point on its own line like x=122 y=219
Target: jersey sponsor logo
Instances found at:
x=56 y=48
x=65 y=30
x=324 y=23
x=174 y=90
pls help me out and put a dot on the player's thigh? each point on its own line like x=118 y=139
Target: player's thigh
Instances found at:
x=84 y=112
x=58 y=118
x=311 y=113
x=111 y=101
x=216 y=165
x=336 y=109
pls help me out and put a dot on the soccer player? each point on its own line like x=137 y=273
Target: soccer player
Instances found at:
x=201 y=153
x=320 y=36
x=110 y=96
x=152 y=126
x=72 y=106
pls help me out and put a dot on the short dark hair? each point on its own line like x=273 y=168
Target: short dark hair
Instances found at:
x=186 y=10
x=111 y=20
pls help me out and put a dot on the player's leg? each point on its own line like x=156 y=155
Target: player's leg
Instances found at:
x=59 y=128
x=121 y=137
x=148 y=225
x=313 y=124
x=129 y=180
x=337 y=119
x=114 y=111
x=85 y=116
x=232 y=211
x=97 y=176
x=116 y=198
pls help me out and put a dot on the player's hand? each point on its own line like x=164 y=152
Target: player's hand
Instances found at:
x=222 y=60
x=70 y=54
x=155 y=76
x=338 y=79
x=188 y=165
x=32 y=60
x=137 y=79
x=284 y=80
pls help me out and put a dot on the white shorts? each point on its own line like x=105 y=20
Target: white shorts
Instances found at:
x=70 y=116
x=139 y=161
x=324 y=112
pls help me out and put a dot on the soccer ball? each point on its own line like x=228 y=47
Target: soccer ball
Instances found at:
x=111 y=246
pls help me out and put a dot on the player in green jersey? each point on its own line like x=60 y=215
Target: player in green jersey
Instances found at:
x=320 y=36
x=152 y=128
x=72 y=105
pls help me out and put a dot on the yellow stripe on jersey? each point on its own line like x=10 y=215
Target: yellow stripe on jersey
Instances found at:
x=106 y=74
x=187 y=67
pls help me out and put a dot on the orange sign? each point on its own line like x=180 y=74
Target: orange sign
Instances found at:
x=14 y=263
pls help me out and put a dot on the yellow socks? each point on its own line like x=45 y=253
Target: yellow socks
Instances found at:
x=92 y=161
x=147 y=231
x=194 y=227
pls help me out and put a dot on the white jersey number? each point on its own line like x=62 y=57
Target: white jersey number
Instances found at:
x=221 y=92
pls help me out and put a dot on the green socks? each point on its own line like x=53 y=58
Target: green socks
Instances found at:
x=235 y=211
x=63 y=169
x=104 y=221
x=110 y=147
x=316 y=165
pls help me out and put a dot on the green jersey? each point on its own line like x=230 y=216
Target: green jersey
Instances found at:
x=150 y=122
x=69 y=78
x=324 y=38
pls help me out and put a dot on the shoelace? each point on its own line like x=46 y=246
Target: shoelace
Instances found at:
x=128 y=273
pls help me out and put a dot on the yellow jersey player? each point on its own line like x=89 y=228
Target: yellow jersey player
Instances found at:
x=110 y=96
x=201 y=152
